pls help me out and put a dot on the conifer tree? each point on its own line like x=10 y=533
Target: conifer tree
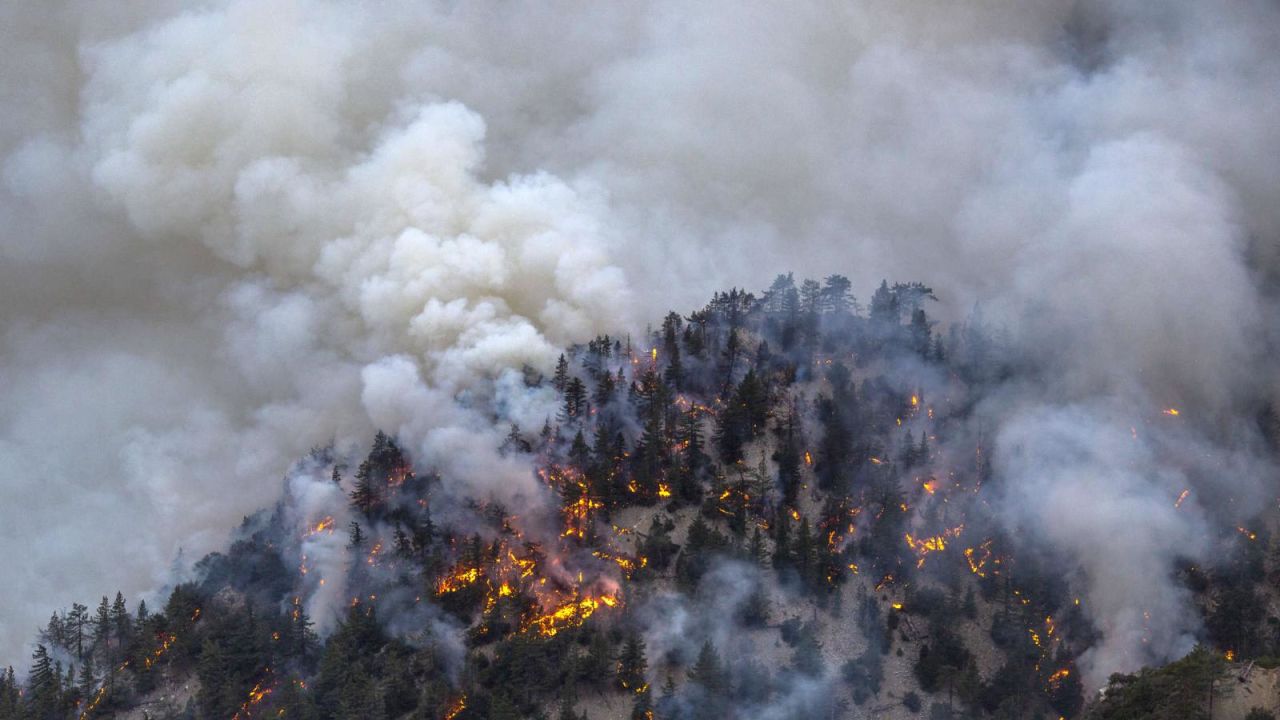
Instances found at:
x=364 y=497
x=44 y=687
x=561 y=379
x=632 y=664
x=121 y=621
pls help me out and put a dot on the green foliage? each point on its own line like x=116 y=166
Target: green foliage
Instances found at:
x=1180 y=689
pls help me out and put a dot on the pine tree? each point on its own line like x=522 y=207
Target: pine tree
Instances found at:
x=575 y=401
x=102 y=630
x=605 y=388
x=907 y=456
x=674 y=374
x=355 y=536
x=729 y=362
x=694 y=459
x=44 y=691
x=10 y=696
x=632 y=664
x=77 y=619
x=121 y=622
x=836 y=298
x=88 y=684
x=561 y=379
x=365 y=498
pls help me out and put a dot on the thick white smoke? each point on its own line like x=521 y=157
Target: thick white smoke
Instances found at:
x=236 y=231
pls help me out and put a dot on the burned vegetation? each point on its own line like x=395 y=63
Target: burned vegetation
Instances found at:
x=777 y=506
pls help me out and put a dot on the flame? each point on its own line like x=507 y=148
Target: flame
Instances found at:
x=878 y=461
x=897 y=606
x=1183 y=496
x=1172 y=412
x=455 y=708
x=936 y=543
x=1230 y=655
x=1059 y=676
x=569 y=615
x=458 y=579
x=808 y=459
x=1247 y=533
x=915 y=401
x=664 y=490
x=653 y=355
x=256 y=695
x=325 y=525
x=978 y=564
x=578 y=515
x=930 y=486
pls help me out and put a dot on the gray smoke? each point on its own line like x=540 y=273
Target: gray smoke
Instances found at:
x=237 y=230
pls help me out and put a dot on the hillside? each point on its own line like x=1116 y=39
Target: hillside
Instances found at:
x=781 y=505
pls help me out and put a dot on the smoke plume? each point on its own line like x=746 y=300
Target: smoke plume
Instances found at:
x=237 y=231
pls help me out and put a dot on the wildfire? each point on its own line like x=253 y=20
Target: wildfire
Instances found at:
x=628 y=565
x=455 y=708
x=256 y=696
x=978 y=564
x=664 y=490
x=930 y=486
x=325 y=525
x=569 y=615
x=937 y=543
x=166 y=641
x=1230 y=656
x=458 y=579
x=578 y=516
x=1057 y=677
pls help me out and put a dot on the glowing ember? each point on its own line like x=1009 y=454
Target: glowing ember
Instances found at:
x=568 y=615
x=1181 y=497
x=1230 y=655
x=455 y=708
x=460 y=578
x=936 y=543
x=978 y=563
x=256 y=696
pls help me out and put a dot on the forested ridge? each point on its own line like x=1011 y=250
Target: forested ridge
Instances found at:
x=778 y=505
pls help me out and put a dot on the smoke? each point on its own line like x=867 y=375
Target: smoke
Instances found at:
x=235 y=232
